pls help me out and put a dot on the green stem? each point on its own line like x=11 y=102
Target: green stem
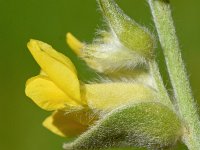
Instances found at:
x=167 y=35
x=163 y=94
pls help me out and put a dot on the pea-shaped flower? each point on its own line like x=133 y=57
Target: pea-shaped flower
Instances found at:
x=58 y=88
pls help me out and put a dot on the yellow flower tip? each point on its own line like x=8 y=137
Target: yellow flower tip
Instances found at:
x=57 y=67
x=36 y=45
x=64 y=124
x=74 y=43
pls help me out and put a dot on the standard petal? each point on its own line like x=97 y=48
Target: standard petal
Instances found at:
x=74 y=43
x=69 y=124
x=60 y=73
x=108 y=96
x=56 y=55
x=47 y=95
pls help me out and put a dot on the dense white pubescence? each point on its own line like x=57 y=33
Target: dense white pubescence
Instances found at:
x=151 y=125
x=143 y=78
x=108 y=55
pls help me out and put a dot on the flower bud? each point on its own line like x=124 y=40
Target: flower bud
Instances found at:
x=130 y=33
x=106 y=54
x=124 y=46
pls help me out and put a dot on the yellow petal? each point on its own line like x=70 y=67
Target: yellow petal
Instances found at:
x=56 y=55
x=67 y=124
x=74 y=43
x=61 y=74
x=108 y=96
x=47 y=95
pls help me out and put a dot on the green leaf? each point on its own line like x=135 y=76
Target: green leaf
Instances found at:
x=150 y=125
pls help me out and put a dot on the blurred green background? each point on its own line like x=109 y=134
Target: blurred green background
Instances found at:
x=49 y=20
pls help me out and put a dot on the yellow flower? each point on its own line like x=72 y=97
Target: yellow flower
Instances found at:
x=76 y=105
x=56 y=88
x=57 y=67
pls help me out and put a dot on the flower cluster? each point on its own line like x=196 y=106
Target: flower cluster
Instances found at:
x=122 y=55
x=76 y=104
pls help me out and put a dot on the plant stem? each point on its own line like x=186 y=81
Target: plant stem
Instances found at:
x=167 y=35
x=163 y=94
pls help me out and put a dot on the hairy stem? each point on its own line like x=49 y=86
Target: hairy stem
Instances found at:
x=164 y=23
x=164 y=97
